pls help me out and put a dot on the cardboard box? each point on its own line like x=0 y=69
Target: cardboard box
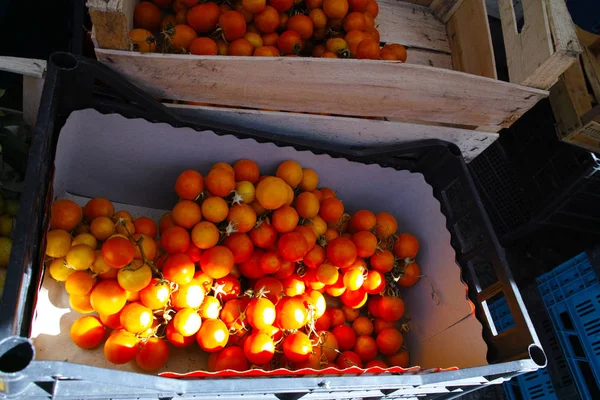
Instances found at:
x=134 y=163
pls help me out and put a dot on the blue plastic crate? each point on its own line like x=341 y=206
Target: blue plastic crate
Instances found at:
x=501 y=316
x=576 y=321
x=532 y=386
x=567 y=279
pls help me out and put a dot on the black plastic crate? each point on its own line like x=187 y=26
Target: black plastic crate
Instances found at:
x=75 y=83
x=528 y=178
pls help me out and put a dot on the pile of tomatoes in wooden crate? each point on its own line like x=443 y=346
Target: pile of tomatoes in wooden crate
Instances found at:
x=270 y=28
x=259 y=271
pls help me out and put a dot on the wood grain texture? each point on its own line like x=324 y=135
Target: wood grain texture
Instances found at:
x=23 y=66
x=443 y=9
x=471 y=40
x=546 y=46
x=591 y=67
x=411 y=25
x=342 y=87
x=112 y=21
x=429 y=58
x=340 y=131
x=567 y=119
x=575 y=82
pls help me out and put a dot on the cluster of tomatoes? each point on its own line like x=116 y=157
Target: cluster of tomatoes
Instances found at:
x=259 y=271
x=270 y=28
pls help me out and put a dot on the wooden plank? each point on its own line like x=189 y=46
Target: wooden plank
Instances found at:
x=575 y=82
x=341 y=87
x=567 y=119
x=588 y=39
x=411 y=25
x=24 y=66
x=341 y=131
x=425 y=3
x=443 y=9
x=32 y=94
x=112 y=20
x=546 y=46
x=471 y=40
x=591 y=67
x=429 y=58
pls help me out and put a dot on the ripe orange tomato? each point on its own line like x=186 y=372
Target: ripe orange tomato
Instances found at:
x=289 y=42
x=187 y=322
x=365 y=242
x=302 y=24
x=204 y=46
x=145 y=226
x=406 y=246
x=307 y=205
x=65 y=215
x=354 y=21
x=240 y=47
x=98 y=207
x=374 y=282
x=362 y=326
x=293 y=286
x=270 y=262
x=368 y=49
x=386 y=225
x=319 y=20
x=182 y=37
x=390 y=308
x=108 y=297
x=281 y=5
x=136 y=318
x=175 y=240
x=323 y=323
x=327 y=274
x=292 y=246
x=242 y=217
x=152 y=354
x=372 y=8
x=400 y=359
x=337 y=289
x=291 y=313
x=285 y=219
x=188 y=296
x=203 y=18
x=186 y=214
x=251 y=268
x=240 y=245
x=260 y=313
x=231 y=357
x=156 y=294
x=189 y=184
x=87 y=332
x=254 y=6
x=363 y=220
x=272 y=287
x=411 y=274
x=341 y=252
x=366 y=348
x=358 y=5
x=335 y=9
x=331 y=209
x=214 y=209
x=272 y=192
x=227 y=288
x=382 y=261
x=312 y=4
x=387 y=54
x=179 y=269
x=212 y=336
x=348 y=359
x=220 y=181
x=259 y=348
x=354 y=298
x=297 y=347
x=165 y=222
x=233 y=25
x=286 y=269
x=314 y=257
x=389 y=341
x=264 y=235
x=217 y=261
x=266 y=51
x=205 y=235
x=121 y=347
x=267 y=21
x=353 y=278
x=398 y=50
x=246 y=170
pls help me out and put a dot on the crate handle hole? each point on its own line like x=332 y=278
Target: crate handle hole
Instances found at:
x=64 y=60
x=537 y=355
x=15 y=354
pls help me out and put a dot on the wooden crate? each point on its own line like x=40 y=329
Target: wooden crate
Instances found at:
x=450 y=77
x=575 y=101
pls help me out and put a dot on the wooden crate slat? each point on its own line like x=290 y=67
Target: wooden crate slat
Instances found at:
x=358 y=87
x=591 y=66
x=546 y=46
x=471 y=40
x=341 y=131
x=429 y=58
x=575 y=82
x=411 y=25
x=443 y=9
